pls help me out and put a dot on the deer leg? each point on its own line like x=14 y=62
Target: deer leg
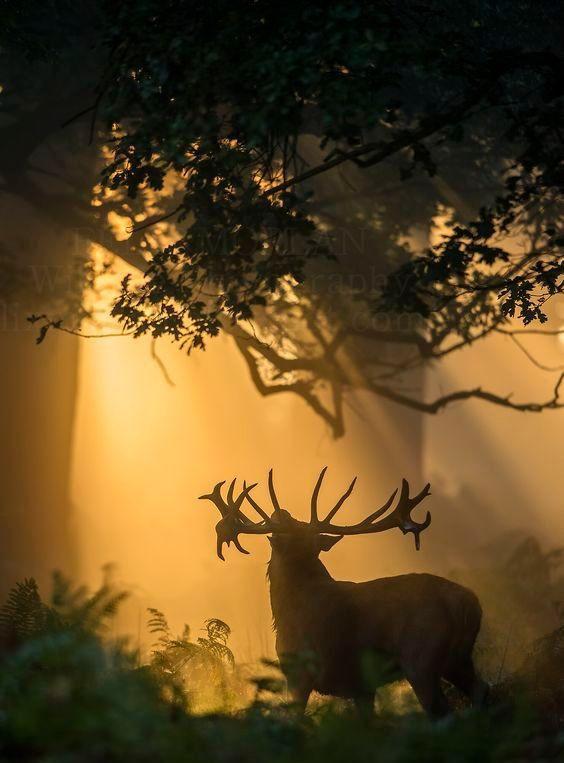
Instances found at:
x=480 y=692
x=464 y=676
x=427 y=688
x=300 y=694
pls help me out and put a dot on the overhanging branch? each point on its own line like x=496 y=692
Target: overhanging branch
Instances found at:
x=477 y=393
x=379 y=152
x=252 y=348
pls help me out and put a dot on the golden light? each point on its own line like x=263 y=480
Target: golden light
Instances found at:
x=143 y=452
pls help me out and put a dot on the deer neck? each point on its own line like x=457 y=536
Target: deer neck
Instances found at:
x=291 y=586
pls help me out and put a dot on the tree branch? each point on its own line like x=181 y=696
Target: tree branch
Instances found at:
x=477 y=393
x=430 y=126
x=532 y=358
x=381 y=152
x=160 y=364
x=301 y=388
x=541 y=332
x=336 y=377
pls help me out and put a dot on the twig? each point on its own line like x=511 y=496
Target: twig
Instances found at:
x=155 y=220
x=477 y=393
x=90 y=336
x=160 y=363
x=87 y=110
x=533 y=360
x=542 y=332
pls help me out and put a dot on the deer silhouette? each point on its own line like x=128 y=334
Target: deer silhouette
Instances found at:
x=346 y=639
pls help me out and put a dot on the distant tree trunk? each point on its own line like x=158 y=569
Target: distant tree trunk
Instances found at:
x=38 y=388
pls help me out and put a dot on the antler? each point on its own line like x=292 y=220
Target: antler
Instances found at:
x=233 y=522
x=400 y=517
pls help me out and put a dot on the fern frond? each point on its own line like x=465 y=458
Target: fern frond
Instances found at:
x=158 y=624
x=77 y=608
x=23 y=613
x=217 y=630
x=217 y=649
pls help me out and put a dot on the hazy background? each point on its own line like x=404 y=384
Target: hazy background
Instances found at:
x=143 y=451
x=101 y=460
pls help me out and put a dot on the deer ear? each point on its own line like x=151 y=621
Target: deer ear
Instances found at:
x=326 y=542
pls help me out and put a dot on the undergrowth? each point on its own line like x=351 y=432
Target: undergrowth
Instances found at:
x=70 y=691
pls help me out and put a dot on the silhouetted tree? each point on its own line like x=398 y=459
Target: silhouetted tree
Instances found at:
x=224 y=125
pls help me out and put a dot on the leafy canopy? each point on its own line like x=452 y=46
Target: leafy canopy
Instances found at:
x=221 y=95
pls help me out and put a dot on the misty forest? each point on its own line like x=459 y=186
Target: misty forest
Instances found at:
x=278 y=280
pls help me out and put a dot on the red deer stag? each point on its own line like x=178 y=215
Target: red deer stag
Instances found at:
x=423 y=626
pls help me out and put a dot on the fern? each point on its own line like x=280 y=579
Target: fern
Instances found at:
x=189 y=669
x=217 y=650
x=77 y=608
x=158 y=624
x=23 y=613
x=217 y=630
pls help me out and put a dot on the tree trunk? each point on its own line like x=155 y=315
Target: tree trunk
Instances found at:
x=37 y=392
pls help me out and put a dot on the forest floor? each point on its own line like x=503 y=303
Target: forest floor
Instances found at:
x=71 y=692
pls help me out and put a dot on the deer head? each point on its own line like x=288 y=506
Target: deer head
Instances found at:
x=316 y=535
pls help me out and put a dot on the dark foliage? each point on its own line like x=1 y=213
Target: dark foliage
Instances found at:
x=251 y=146
x=220 y=94
x=69 y=694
